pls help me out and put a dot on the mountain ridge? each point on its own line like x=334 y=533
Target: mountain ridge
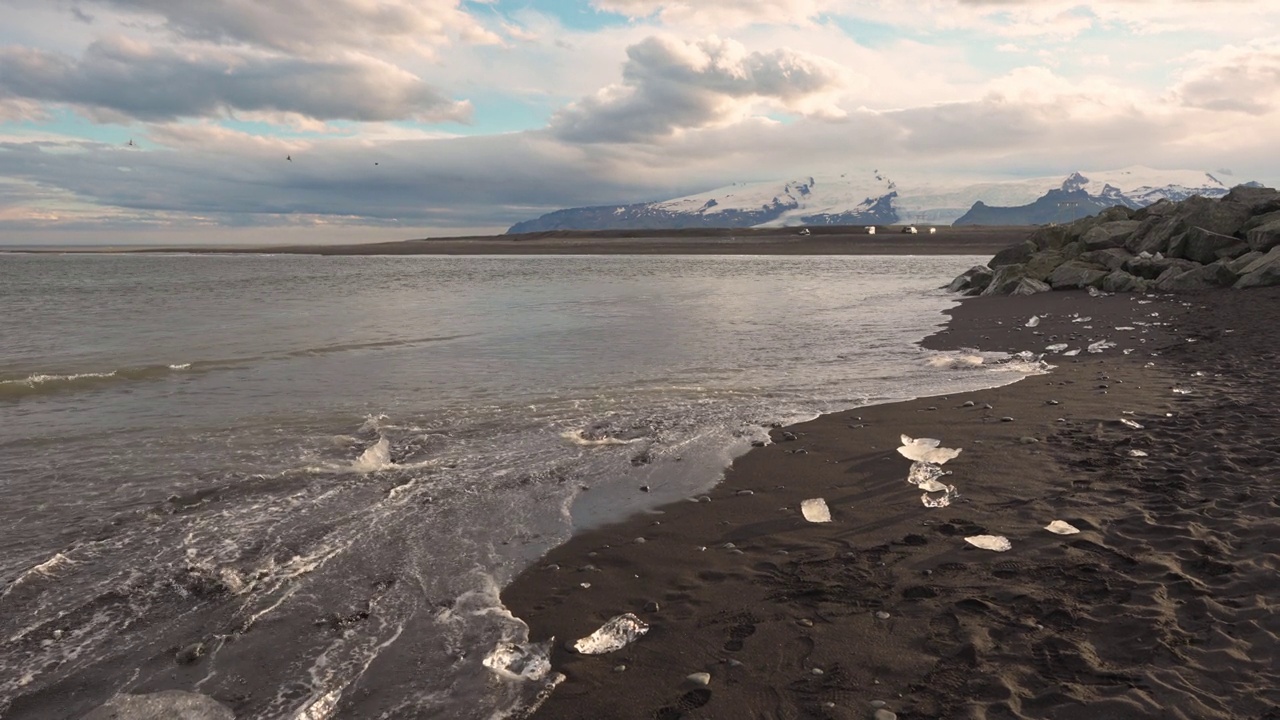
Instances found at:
x=874 y=199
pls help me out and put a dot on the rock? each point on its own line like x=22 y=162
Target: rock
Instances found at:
x=1153 y=268
x=1006 y=418
x=1041 y=264
x=1205 y=247
x=976 y=277
x=882 y=615
x=1265 y=234
x=1076 y=274
x=699 y=678
x=651 y=607
x=883 y=714
x=164 y=705
x=1263 y=272
x=189 y=654
x=1203 y=278
x=1238 y=265
x=1121 y=281
x=804 y=622
x=1155 y=234
x=1015 y=255
x=1028 y=286
x=619 y=668
x=1258 y=200
x=1111 y=258
x=1005 y=279
x=1160 y=208
x=1109 y=234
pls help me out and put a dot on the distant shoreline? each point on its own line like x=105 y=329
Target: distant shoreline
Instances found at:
x=842 y=240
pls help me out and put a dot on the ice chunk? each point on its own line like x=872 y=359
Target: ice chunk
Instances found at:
x=926 y=450
x=1137 y=453
x=923 y=472
x=998 y=543
x=949 y=493
x=1033 y=322
x=1056 y=347
x=1082 y=319
x=1100 y=346
x=1125 y=327
x=1095 y=292
x=1062 y=528
x=815 y=510
x=613 y=635
x=1181 y=391
x=520 y=662
x=1130 y=424
x=1072 y=353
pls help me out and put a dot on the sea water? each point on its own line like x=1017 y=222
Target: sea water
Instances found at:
x=298 y=484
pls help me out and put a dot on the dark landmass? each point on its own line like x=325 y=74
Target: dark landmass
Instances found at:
x=836 y=240
x=1161 y=607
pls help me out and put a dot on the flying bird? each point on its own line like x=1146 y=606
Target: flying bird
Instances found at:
x=130 y=143
x=289 y=158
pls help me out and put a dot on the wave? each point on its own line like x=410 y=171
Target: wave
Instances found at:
x=40 y=383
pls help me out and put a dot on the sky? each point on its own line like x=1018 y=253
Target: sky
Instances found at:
x=224 y=121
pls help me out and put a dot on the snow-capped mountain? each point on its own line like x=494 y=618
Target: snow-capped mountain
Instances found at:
x=873 y=199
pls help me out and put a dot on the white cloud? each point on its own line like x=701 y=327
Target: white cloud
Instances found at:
x=720 y=13
x=121 y=78
x=670 y=85
x=1236 y=79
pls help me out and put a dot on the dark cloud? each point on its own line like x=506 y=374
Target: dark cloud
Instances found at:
x=122 y=78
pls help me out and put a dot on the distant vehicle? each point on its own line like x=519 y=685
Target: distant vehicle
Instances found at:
x=871 y=230
x=910 y=230
x=804 y=231
x=933 y=231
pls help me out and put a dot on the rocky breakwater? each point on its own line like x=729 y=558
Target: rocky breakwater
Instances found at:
x=1195 y=244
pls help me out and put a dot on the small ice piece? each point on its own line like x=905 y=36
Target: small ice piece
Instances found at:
x=1072 y=353
x=1095 y=292
x=1137 y=453
x=815 y=510
x=924 y=472
x=520 y=662
x=926 y=450
x=613 y=635
x=1062 y=528
x=998 y=543
x=1027 y=356
x=1181 y=391
x=1056 y=347
x=1126 y=351
x=1082 y=319
x=1033 y=322
x=1100 y=346
x=1125 y=327
x=1130 y=424
x=949 y=493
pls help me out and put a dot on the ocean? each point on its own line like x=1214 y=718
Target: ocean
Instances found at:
x=298 y=484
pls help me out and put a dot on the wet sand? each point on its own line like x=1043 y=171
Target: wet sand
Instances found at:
x=841 y=240
x=1163 y=606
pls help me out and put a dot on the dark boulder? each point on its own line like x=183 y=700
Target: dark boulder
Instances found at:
x=976 y=277
x=1109 y=235
x=1076 y=274
x=1204 y=277
x=1014 y=255
x=1121 y=281
x=1239 y=264
x=1263 y=232
x=1005 y=279
x=1155 y=234
x=1043 y=263
x=1111 y=259
x=1263 y=272
x=1259 y=200
x=1153 y=267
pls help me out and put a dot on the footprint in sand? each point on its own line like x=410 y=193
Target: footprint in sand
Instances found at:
x=691 y=700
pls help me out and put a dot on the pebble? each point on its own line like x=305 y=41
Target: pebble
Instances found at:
x=804 y=622
x=877 y=704
x=1052 y=402
x=987 y=407
x=816 y=671
x=882 y=615
x=651 y=606
x=644 y=488
x=883 y=714
x=1028 y=440
x=619 y=668
x=728 y=546
x=967 y=403
x=734 y=663
x=639 y=541
x=745 y=492
x=700 y=678
x=1006 y=418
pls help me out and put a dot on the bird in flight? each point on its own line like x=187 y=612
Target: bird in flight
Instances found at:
x=289 y=158
x=130 y=143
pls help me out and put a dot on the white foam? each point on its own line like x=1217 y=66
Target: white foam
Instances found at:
x=375 y=457
x=41 y=378
x=44 y=569
x=180 y=366
x=956 y=361
x=577 y=438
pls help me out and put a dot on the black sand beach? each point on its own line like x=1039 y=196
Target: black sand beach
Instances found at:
x=1163 y=606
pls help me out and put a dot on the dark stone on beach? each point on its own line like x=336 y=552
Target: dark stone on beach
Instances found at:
x=1051 y=402
x=1006 y=419
x=1238 y=265
x=1263 y=232
x=1263 y=272
x=788 y=437
x=967 y=403
x=644 y=488
x=189 y=654
x=1205 y=277
x=757 y=443
x=1111 y=259
x=1109 y=235
x=1121 y=281
x=1014 y=255
x=1259 y=200
x=651 y=606
x=975 y=278
x=1040 y=265
x=1077 y=274
x=164 y=705
x=1029 y=286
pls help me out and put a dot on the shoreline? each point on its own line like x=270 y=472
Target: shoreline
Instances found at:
x=965 y=240
x=888 y=604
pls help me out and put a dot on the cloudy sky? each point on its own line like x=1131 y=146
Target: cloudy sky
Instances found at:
x=174 y=120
